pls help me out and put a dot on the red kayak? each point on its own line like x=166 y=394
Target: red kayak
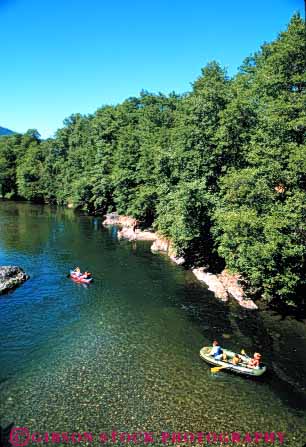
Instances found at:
x=80 y=278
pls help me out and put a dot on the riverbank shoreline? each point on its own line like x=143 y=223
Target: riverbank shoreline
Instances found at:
x=98 y=353
x=224 y=285
x=212 y=281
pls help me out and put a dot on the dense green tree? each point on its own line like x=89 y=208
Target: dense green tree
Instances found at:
x=260 y=218
x=30 y=167
x=220 y=171
x=10 y=147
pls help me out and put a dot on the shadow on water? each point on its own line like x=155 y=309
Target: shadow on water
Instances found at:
x=237 y=329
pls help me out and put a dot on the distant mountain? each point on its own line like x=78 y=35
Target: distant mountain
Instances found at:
x=4 y=131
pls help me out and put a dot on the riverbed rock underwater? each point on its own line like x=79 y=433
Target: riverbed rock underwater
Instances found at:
x=124 y=353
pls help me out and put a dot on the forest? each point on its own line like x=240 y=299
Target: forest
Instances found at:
x=220 y=170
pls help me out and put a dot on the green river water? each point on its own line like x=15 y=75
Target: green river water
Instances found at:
x=123 y=354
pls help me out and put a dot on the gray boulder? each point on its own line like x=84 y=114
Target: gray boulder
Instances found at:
x=11 y=277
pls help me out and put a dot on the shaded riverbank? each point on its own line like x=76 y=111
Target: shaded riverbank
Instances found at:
x=124 y=352
x=224 y=285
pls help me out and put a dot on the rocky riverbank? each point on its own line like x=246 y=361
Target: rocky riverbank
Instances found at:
x=129 y=228
x=224 y=285
x=11 y=277
x=164 y=245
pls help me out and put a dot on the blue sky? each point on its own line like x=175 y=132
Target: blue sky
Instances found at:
x=65 y=56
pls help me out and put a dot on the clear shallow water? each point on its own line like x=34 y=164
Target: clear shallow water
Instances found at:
x=124 y=352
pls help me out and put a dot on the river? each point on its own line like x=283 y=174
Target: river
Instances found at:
x=123 y=353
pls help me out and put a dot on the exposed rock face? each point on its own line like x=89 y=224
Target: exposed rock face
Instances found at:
x=213 y=282
x=116 y=219
x=160 y=244
x=231 y=284
x=178 y=261
x=137 y=235
x=127 y=233
x=11 y=277
x=145 y=235
x=225 y=285
x=164 y=245
x=128 y=230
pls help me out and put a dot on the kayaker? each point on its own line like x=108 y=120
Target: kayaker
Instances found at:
x=255 y=361
x=216 y=350
x=77 y=271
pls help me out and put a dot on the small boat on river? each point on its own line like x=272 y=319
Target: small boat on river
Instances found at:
x=241 y=368
x=80 y=278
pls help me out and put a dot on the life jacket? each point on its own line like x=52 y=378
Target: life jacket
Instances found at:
x=218 y=351
x=254 y=363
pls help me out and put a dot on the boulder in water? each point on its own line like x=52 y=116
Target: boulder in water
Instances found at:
x=10 y=277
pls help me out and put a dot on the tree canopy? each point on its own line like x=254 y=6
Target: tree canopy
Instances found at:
x=220 y=171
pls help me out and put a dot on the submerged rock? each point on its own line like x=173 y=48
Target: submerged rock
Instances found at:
x=11 y=277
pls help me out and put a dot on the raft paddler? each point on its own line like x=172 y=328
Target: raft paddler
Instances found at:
x=77 y=271
x=255 y=361
x=216 y=350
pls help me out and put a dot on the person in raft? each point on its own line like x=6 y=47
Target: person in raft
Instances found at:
x=77 y=271
x=216 y=351
x=255 y=361
x=236 y=359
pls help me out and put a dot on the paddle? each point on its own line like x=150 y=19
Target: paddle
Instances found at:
x=218 y=368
